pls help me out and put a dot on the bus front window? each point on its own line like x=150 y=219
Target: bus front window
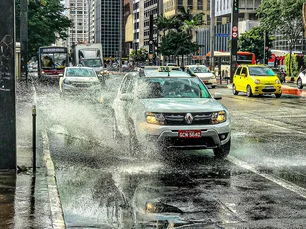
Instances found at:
x=47 y=61
x=60 y=60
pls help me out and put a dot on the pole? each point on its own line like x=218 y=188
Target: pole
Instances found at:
x=212 y=35
x=24 y=39
x=234 y=45
x=120 y=36
x=265 y=43
x=34 y=137
x=89 y=8
x=7 y=86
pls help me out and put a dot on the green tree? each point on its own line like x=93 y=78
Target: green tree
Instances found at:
x=284 y=17
x=253 y=41
x=162 y=24
x=46 y=23
x=177 y=44
x=139 y=55
x=177 y=33
x=189 y=21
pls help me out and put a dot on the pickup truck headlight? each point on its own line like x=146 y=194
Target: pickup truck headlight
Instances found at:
x=218 y=117
x=155 y=118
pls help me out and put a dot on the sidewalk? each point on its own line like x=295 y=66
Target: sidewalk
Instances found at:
x=29 y=200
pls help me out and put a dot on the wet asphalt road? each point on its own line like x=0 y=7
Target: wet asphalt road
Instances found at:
x=260 y=185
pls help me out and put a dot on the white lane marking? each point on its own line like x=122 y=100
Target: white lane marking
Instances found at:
x=283 y=183
x=277 y=126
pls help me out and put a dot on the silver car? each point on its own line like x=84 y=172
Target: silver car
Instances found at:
x=172 y=110
x=80 y=82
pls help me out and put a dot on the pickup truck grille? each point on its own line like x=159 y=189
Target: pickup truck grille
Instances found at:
x=177 y=119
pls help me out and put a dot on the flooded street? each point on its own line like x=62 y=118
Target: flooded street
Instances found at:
x=260 y=185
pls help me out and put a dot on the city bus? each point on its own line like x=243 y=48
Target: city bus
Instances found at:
x=52 y=60
x=223 y=59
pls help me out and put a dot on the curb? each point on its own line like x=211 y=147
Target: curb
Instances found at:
x=57 y=215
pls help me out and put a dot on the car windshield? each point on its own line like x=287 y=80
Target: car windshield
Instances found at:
x=92 y=63
x=80 y=72
x=199 y=69
x=172 y=88
x=261 y=71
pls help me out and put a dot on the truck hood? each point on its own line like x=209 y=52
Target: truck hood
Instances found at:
x=97 y=69
x=181 y=105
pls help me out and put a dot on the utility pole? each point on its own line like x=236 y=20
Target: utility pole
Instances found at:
x=234 y=40
x=120 y=35
x=24 y=39
x=266 y=47
x=88 y=12
x=7 y=86
x=212 y=35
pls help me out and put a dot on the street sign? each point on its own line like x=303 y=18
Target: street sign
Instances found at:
x=222 y=35
x=235 y=35
x=235 y=28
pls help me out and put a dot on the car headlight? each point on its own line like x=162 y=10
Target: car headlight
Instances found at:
x=277 y=82
x=218 y=117
x=213 y=76
x=67 y=82
x=155 y=118
x=257 y=81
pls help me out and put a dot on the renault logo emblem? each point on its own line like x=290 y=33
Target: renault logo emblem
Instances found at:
x=188 y=118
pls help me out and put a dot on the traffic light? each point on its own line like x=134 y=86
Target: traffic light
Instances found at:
x=236 y=6
x=150 y=48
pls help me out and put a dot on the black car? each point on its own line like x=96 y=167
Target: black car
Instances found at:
x=280 y=75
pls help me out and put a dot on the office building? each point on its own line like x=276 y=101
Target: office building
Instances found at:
x=77 y=12
x=108 y=23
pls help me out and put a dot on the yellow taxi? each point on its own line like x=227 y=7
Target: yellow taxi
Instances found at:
x=256 y=80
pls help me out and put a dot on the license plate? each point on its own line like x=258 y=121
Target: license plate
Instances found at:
x=189 y=133
x=205 y=81
x=269 y=87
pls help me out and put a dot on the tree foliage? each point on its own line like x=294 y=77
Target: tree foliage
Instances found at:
x=46 y=23
x=139 y=55
x=284 y=17
x=177 y=44
x=253 y=41
x=177 y=33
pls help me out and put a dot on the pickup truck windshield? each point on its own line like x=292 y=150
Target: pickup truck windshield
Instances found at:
x=174 y=88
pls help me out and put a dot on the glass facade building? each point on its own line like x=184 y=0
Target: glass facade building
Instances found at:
x=107 y=26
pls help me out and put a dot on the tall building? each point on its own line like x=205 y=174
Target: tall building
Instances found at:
x=108 y=23
x=223 y=8
x=77 y=12
x=128 y=25
x=171 y=7
x=138 y=24
x=92 y=15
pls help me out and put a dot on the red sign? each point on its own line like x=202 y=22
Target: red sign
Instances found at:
x=235 y=35
x=235 y=28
